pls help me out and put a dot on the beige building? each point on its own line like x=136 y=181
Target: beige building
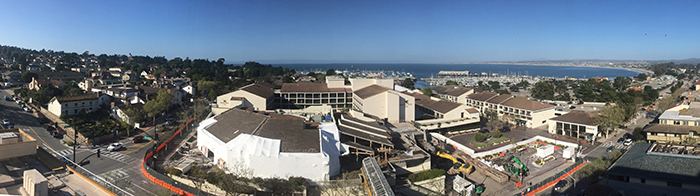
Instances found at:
x=384 y=103
x=303 y=95
x=259 y=96
x=454 y=93
x=434 y=113
x=16 y=143
x=36 y=84
x=679 y=124
x=519 y=110
x=576 y=124
x=72 y=105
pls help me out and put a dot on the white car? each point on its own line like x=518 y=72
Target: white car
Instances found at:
x=26 y=109
x=5 y=121
x=627 y=142
x=115 y=146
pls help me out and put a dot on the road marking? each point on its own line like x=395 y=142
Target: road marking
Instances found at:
x=129 y=152
x=42 y=140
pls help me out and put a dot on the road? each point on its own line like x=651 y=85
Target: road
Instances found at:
x=125 y=163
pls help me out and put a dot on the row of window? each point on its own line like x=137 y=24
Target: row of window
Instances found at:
x=679 y=122
x=313 y=95
x=76 y=104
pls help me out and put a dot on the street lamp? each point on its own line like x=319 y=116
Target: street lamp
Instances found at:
x=572 y=178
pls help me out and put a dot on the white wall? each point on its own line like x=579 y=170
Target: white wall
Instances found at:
x=55 y=107
x=539 y=116
x=471 y=153
x=359 y=83
x=224 y=101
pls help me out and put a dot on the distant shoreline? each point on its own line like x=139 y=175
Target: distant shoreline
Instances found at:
x=646 y=71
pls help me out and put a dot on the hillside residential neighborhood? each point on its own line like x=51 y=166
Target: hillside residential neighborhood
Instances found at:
x=141 y=127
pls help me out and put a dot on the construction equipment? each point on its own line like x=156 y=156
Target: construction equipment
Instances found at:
x=457 y=165
x=480 y=189
x=517 y=171
x=498 y=176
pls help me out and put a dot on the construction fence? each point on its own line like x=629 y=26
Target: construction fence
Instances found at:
x=544 y=184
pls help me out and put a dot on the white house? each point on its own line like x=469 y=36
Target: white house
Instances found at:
x=189 y=89
x=71 y=105
x=258 y=96
x=271 y=145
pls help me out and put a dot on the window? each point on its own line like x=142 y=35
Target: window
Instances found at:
x=662 y=121
x=685 y=122
x=654 y=133
x=675 y=122
x=83 y=103
x=642 y=180
x=673 y=184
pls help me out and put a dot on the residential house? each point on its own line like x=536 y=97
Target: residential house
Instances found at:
x=72 y=105
x=518 y=110
x=271 y=145
x=64 y=76
x=678 y=124
x=36 y=84
x=190 y=89
x=575 y=124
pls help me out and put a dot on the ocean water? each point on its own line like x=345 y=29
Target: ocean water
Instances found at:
x=431 y=70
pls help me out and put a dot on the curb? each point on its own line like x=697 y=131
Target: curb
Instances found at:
x=92 y=182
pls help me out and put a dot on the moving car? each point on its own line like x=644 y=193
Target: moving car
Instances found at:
x=561 y=184
x=115 y=146
x=137 y=139
x=610 y=148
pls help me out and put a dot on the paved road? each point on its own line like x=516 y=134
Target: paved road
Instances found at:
x=125 y=162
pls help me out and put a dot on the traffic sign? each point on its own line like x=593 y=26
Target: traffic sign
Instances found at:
x=67 y=126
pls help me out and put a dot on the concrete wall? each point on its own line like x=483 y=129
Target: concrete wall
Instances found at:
x=26 y=147
x=359 y=83
x=471 y=152
x=539 y=116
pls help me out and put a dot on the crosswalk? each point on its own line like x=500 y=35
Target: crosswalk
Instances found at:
x=619 y=146
x=126 y=159
x=117 y=156
x=118 y=177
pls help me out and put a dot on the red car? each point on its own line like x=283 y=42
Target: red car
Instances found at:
x=137 y=139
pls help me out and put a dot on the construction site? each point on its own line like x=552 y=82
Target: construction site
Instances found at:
x=503 y=173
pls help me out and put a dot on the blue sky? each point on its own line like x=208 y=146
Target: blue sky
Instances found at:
x=359 y=31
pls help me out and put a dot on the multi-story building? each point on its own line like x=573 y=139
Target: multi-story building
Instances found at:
x=576 y=124
x=454 y=93
x=519 y=110
x=259 y=96
x=435 y=113
x=302 y=95
x=384 y=103
x=72 y=105
x=679 y=124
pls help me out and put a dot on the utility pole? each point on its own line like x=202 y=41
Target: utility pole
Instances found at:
x=75 y=142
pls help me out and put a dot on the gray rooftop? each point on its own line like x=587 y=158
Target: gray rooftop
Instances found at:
x=638 y=163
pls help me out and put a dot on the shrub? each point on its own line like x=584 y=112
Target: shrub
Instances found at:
x=496 y=134
x=424 y=175
x=479 y=137
x=69 y=143
x=172 y=171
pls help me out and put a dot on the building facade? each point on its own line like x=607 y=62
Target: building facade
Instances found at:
x=576 y=124
x=518 y=110
x=72 y=105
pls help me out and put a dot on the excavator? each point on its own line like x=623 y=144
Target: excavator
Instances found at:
x=457 y=165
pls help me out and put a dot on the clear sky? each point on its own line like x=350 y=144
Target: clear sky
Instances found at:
x=377 y=31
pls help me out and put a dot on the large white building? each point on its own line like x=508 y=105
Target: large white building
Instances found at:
x=271 y=145
x=258 y=96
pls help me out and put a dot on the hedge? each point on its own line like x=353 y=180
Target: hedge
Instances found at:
x=424 y=175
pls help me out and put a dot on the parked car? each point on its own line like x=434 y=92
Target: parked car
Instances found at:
x=627 y=142
x=561 y=184
x=137 y=139
x=610 y=149
x=6 y=121
x=627 y=136
x=7 y=98
x=170 y=117
x=581 y=193
x=26 y=109
x=621 y=140
x=66 y=160
x=572 y=107
x=115 y=146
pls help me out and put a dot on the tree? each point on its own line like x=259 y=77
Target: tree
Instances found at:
x=159 y=104
x=27 y=76
x=514 y=88
x=427 y=91
x=346 y=185
x=542 y=90
x=408 y=83
x=451 y=82
x=523 y=84
x=494 y=85
x=641 y=77
x=610 y=117
x=479 y=137
x=560 y=87
x=330 y=72
x=638 y=134
x=496 y=134
x=135 y=114
x=205 y=86
x=621 y=83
